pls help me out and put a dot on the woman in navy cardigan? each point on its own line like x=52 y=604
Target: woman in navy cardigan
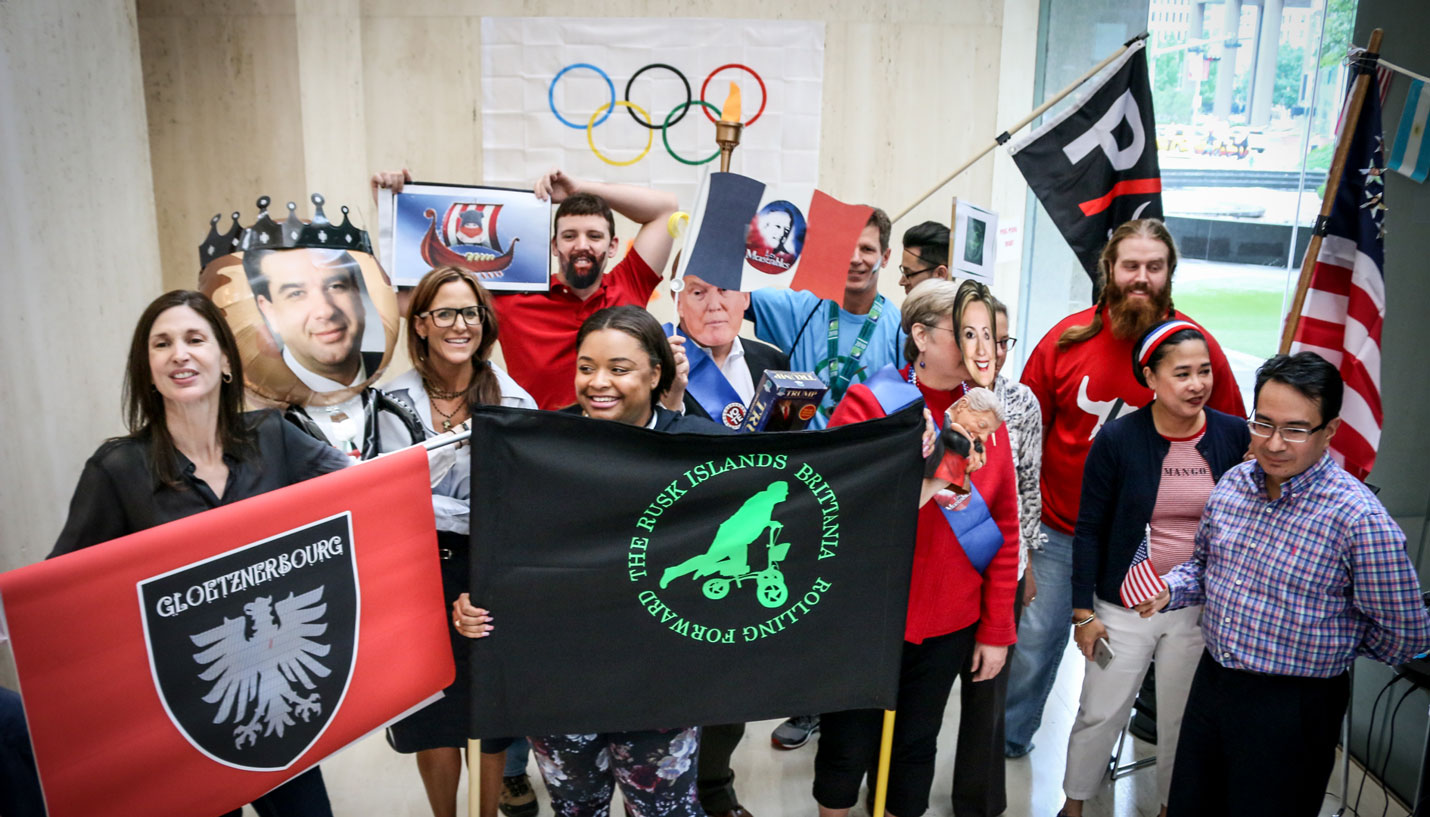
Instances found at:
x=1146 y=481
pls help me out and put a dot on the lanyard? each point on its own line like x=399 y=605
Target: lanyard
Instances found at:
x=839 y=383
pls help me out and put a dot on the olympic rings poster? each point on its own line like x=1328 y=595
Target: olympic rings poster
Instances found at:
x=501 y=235
x=635 y=100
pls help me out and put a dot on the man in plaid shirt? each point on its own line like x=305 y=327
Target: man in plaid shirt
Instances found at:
x=1301 y=569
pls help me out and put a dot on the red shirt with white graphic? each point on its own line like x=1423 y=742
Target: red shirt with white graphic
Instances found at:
x=1182 y=493
x=1086 y=384
x=538 y=329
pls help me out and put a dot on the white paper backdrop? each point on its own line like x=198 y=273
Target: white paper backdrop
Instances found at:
x=522 y=138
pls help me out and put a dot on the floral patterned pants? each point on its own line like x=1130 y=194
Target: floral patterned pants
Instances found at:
x=656 y=770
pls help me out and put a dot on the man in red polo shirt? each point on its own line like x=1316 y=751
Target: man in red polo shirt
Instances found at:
x=538 y=329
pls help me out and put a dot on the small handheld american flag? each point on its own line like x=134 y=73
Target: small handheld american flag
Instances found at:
x=1142 y=582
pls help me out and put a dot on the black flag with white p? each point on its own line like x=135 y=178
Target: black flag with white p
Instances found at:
x=1094 y=165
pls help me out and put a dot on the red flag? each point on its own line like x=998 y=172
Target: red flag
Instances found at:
x=232 y=649
x=834 y=229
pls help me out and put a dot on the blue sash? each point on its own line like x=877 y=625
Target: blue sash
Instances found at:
x=978 y=534
x=708 y=385
x=891 y=390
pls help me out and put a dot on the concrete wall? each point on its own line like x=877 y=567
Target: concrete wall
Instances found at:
x=77 y=235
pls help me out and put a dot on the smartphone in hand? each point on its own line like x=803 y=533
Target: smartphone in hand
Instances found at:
x=1102 y=652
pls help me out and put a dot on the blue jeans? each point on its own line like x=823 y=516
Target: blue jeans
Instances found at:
x=1042 y=637
x=516 y=756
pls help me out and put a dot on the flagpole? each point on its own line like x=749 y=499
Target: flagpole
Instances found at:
x=1022 y=123
x=1333 y=183
x=881 y=779
x=474 y=777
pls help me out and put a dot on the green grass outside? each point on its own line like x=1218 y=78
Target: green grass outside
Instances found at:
x=1245 y=320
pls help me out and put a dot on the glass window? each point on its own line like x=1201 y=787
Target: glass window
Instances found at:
x=1246 y=99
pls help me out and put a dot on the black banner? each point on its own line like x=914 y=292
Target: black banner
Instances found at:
x=643 y=580
x=1094 y=165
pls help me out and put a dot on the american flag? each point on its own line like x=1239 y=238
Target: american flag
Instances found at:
x=1345 y=305
x=1142 y=582
x=1381 y=83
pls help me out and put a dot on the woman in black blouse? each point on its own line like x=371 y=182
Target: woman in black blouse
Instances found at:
x=190 y=448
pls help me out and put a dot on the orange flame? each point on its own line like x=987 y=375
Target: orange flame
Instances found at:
x=731 y=111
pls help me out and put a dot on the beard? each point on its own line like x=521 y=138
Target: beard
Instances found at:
x=582 y=280
x=1129 y=318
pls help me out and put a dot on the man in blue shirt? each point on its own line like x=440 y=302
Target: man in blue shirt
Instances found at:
x=1301 y=569
x=841 y=343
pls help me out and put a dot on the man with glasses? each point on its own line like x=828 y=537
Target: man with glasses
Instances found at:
x=925 y=255
x=1301 y=569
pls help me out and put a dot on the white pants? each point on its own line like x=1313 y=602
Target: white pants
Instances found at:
x=1175 y=638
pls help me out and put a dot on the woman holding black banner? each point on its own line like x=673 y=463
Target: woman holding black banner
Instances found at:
x=191 y=448
x=451 y=329
x=623 y=365
x=960 y=614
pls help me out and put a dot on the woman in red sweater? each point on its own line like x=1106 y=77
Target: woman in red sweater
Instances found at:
x=960 y=616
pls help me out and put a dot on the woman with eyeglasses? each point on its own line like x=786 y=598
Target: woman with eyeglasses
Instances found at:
x=451 y=329
x=960 y=609
x=1145 y=483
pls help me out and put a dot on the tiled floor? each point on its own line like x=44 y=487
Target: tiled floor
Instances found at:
x=369 y=778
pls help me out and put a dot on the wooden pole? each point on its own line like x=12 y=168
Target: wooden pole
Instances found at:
x=1020 y=124
x=1333 y=183
x=886 y=750
x=474 y=777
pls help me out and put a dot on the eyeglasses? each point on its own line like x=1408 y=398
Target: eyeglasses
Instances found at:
x=1006 y=343
x=909 y=273
x=443 y=318
x=1290 y=435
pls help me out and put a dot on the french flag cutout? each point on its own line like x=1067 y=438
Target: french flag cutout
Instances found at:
x=746 y=236
x=1142 y=582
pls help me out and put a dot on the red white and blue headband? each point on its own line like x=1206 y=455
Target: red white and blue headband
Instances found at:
x=1158 y=335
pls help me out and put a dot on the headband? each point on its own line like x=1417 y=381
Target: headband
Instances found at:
x=1159 y=334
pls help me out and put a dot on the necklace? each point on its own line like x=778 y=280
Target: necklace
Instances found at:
x=914 y=378
x=440 y=394
x=446 y=415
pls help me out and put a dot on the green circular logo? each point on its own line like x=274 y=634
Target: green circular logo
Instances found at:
x=730 y=550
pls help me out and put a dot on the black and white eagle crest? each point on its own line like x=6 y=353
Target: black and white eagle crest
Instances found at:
x=264 y=668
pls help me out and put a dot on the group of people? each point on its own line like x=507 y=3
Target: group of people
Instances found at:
x=1117 y=494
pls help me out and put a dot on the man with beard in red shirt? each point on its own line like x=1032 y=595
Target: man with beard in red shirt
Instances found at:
x=1080 y=374
x=538 y=329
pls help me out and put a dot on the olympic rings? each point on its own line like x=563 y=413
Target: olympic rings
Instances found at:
x=670 y=68
x=610 y=86
x=665 y=132
x=676 y=114
x=764 y=95
x=649 y=139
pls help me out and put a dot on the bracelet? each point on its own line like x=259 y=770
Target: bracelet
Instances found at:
x=1087 y=620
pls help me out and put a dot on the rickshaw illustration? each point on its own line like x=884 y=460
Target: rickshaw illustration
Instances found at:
x=727 y=560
